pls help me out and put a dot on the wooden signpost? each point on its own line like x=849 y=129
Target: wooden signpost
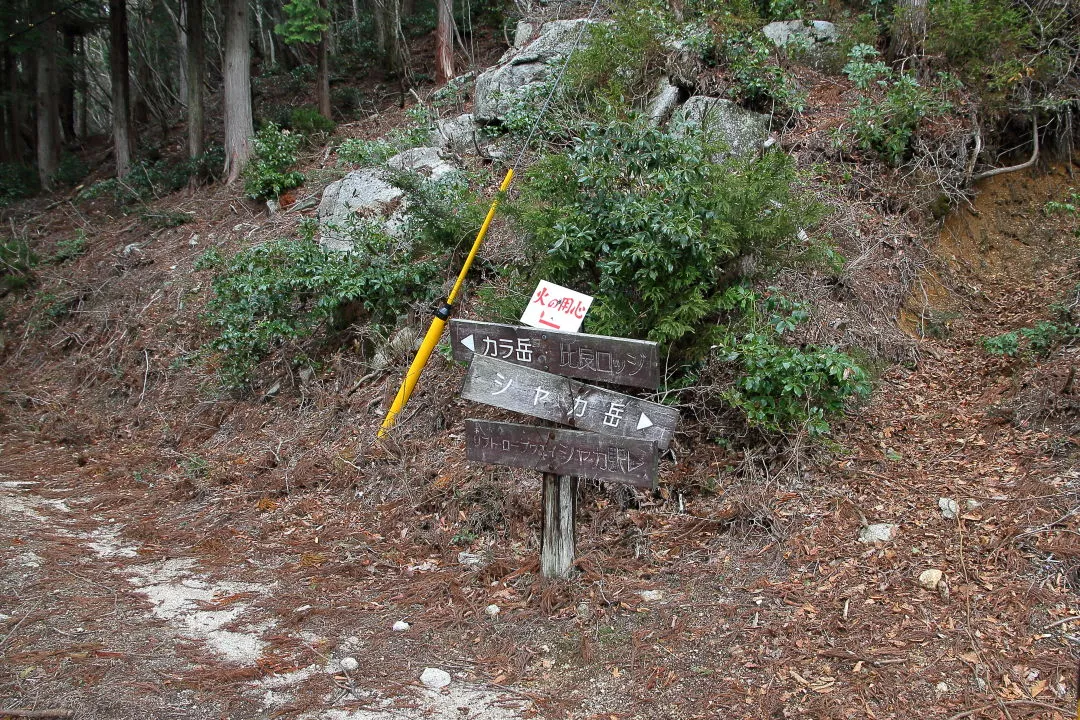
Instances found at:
x=588 y=357
x=569 y=402
x=562 y=452
x=617 y=436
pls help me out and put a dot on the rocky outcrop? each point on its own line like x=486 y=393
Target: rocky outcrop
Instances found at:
x=523 y=69
x=813 y=42
x=367 y=195
x=742 y=130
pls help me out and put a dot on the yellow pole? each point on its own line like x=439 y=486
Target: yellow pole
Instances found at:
x=431 y=339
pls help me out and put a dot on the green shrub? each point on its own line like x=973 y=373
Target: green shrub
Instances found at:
x=287 y=291
x=757 y=80
x=780 y=387
x=268 y=173
x=654 y=226
x=365 y=153
x=888 y=113
x=70 y=171
x=982 y=41
x=17 y=263
x=621 y=61
x=71 y=248
x=1037 y=341
x=17 y=182
x=308 y=120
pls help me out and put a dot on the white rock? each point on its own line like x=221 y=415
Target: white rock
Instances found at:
x=664 y=100
x=492 y=610
x=469 y=559
x=435 y=678
x=970 y=505
x=949 y=508
x=349 y=664
x=878 y=532
x=929 y=579
x=401 y=626
x=651 y=595
x=744 y=131
x=423 y=160
x=942 y=687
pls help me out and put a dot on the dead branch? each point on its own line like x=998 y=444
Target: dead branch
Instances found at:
x=21 y=712
x=1007 y=703
x=1021 y=166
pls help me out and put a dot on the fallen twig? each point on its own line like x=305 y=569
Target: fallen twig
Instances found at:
x=999 y=704
x=22 y=712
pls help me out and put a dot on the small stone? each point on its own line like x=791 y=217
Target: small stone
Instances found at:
x=469 y=559
x=949 y=508
x=929 y=579
x=349 y=664
x=302 y=608
x=401 y=626
x=435 y=678
x=651 y=595
x=492 y=610
x=878 y=532
x=970 y=505
x=583 y=611
x=942 y=687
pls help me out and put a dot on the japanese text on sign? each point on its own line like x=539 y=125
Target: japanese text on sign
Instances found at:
x=589 y=357
x=566 y=452
x=555 y=307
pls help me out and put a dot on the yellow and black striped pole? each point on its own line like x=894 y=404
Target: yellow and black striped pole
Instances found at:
x=438 y=323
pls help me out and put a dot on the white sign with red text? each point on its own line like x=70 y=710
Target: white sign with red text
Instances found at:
x=555 y=307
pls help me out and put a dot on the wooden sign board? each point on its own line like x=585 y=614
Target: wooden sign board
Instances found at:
x=563 y=452
x=569 y=402
x=589 y=357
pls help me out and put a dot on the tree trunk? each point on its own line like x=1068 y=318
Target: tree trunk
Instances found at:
x=322 y=89
x=195 y=70
x=7 y=116
x=47 y=100
x=67 y=87
x=121 y=86
x=444 y=41
x=81 y=126
x=908 y=29
x=182 y=41
x=238 y=124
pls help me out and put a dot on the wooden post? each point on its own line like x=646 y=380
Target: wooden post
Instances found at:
x=557 y=537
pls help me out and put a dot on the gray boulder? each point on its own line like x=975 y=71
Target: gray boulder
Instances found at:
x=744 y=131
x=523 y=70
x=367 y=196
x=813 y=42
x=458 y=135
x=663 y=102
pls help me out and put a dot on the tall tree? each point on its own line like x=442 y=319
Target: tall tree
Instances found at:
x=193 y=11
x=237 y=71
x=308 y=21
x=121 y=86
x=444 y=41
x=47 y=104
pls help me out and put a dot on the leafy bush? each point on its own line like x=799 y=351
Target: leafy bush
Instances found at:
x=70 y=171
x=620 y=63
x=17 y=182
x=757 y=80
x=781 y=387
x=286 y=291
x=369 y=153
x=654 y=226
x=17 y=263
x=71 y=248
x=308 y=120
x=365 y=153
x=887 y=123
x=268 y=173
x=151 y=179
x=980 y=40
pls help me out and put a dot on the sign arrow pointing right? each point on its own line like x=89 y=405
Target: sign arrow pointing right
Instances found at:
x=644 y=422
